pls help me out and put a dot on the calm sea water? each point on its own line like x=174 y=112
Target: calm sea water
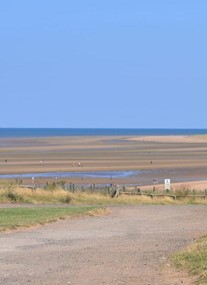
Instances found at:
x=55 y=132
x=96 y=174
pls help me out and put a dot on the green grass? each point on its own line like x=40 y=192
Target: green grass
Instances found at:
x=194 y=260
x=14 y=218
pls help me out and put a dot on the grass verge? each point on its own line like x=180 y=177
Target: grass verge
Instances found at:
x=194 y=260
x=14 y=218
x=16 y=194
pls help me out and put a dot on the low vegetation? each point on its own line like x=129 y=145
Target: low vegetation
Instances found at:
x=56 y=194
x=14 y=218
x=194 y=260
x=16 y=194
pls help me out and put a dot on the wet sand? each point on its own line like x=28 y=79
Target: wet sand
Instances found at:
x=180 y=158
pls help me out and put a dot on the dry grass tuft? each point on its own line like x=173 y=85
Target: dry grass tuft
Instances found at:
x=194 y=259
x=24 y=195
x=16 y=194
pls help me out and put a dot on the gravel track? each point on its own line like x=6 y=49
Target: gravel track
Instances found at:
x=131 y=245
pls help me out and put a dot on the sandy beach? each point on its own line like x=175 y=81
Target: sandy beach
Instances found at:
x=179 y=158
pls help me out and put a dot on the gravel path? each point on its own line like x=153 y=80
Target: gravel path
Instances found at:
x=129 y=246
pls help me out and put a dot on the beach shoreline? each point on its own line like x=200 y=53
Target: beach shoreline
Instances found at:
x=179 y=158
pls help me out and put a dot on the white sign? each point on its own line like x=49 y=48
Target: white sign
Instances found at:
x=167 y=184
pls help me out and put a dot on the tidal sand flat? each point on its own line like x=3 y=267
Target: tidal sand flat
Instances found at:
x=180 y=158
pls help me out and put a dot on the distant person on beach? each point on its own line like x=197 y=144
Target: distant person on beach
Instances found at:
x=155 y=181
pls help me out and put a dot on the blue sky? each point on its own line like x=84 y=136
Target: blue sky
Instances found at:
x=106 y=64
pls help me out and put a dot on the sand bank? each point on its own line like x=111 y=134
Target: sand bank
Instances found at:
x=180 y=158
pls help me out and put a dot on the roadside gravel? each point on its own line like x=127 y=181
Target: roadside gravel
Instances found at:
x=131 y=245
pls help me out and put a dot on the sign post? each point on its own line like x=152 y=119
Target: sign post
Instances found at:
x=167 y=184
x=33 y=182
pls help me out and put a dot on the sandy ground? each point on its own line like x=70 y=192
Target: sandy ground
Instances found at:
x=129 y=246
x=179 y=158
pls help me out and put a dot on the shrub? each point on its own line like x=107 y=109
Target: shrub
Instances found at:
x=183 y=192
x=14 y=197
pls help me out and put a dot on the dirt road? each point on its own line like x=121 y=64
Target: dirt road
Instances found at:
x=128 y=246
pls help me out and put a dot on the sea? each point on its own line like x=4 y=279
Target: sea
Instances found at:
x=59 y=132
